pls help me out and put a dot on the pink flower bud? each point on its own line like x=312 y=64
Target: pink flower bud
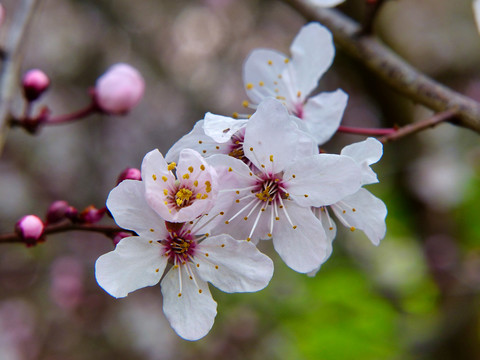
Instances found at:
x=34 y=83
x=92 y=215
x=30 y=229
x=129 y=174
x=71 y=213
x=57 y=211
x=119 y=89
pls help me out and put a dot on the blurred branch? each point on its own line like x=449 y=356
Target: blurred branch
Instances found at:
x=9 y=75
x=420 y=125
x=109 y=231
x=391 y=68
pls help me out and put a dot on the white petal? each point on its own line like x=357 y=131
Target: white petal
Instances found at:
x=312 y=54
x=322 y=179
x=325 y=3
x=365 y=153
x=476 y=13
x=221 y=128
x=261 y=74
x=304 y=248
x=192 y=313
x=130 y=210
x=330 y=231
x=196 y=140
x=369 y=151
x=369 y=215
x=323 y=113
x=272 y=139
x=135 y=263
x=233 y=265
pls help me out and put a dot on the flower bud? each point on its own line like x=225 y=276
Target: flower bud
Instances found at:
x=34 y=83
x=57 y=211
x=119 y=89
x=92 y=215
x=30 y=229
x=129 y=174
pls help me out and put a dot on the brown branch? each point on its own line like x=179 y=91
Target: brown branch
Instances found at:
x=391 y=68
x=66 y=226
x=420 y=125
x=9 y=76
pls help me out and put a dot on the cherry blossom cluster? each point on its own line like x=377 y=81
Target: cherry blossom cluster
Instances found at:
x=199 y=212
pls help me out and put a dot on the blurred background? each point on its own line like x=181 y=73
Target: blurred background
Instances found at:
x=416 y=296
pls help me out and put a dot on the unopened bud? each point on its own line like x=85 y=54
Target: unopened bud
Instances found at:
x=72 y=214
x=57 y=211
x=30 y=229
x=92 y=215
x=34 y=83
x=119 y=89
x=129 y=174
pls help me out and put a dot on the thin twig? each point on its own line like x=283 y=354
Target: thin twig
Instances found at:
x=366 y=131
x=66 y=226
x=9 y=76
x=420 y=125
x=391 y=68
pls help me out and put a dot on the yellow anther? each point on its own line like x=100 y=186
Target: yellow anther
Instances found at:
x=249 y=86
x=262 y=165
x=151 y=230
x=157 y=270
x=217 y=147
x=261 y=83
x=286 y=60
x=195 y=183
x=206 y=254
x=354 y=209
x=207 y=234
x=164 y=178
x=227 y=222
x=352 y=228
x=190 y=168
x=199 y=196
x=150 y=242
x=171 y=166
x=154 y=177
x=245 y=103
x=204 y=151
x=278 y=97
x=277 y=218
x=179 y=294
x=200 y=141
x=235 y=115
x=199 y=291
x=245 y=218
x=280 y=76
x=293 y=176
x=230 y=169
x=216 y=267
x=305 y=195
x=270 y=62
x=222 y=213
x=269 y=235
x=249 y=116
x=251 y=149
x=330 y=228
x=182 y=196
x=205 y=196
x=343 y=212
x=271 y=158
x=186 y=176
x=237 y=201
x=165 y=192
x=198 y=265
x=299 y=93
x=294 y=227
x=248 y=239
x=202 y=167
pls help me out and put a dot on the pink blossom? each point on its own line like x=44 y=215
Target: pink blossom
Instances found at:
x=119 y=89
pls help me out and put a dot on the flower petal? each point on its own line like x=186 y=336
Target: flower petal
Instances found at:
x=221 y=128
x=130 y=210
x=365 y=212
x=322 y=179
x=187 y=303
x=365 y=153
x=198 y=141
x=322 y=114
x=476 y=13
x=233 y=265
x=304 y=248
x=312 y=54
x=273 y=140
x=326 y=3
x=261 y=73
x=135 y=263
